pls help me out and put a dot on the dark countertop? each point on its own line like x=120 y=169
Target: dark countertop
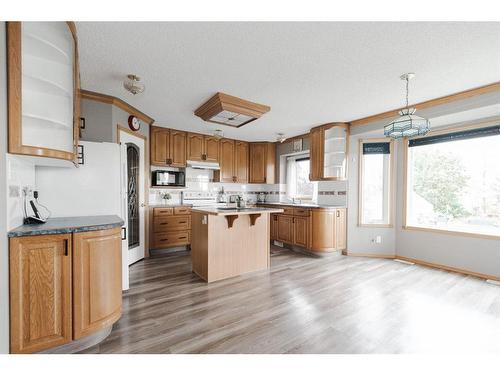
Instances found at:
x=169 y=205
x=59 y=225
x=301 y=205
x=236 y=211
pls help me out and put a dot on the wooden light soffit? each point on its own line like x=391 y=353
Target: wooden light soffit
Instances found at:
x=222 y=102
x=103 y=98
x=432 y=103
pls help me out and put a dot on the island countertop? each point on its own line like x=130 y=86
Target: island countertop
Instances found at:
x=60 y=225
x=236 y=211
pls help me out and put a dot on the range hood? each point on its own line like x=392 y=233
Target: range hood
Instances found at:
x=202 y=165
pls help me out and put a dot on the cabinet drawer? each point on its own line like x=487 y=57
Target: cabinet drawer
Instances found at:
x=182 y=210
x=301 y=212
x=287 y=211
x=171 y=223
x=171 y=239
x=163 y=211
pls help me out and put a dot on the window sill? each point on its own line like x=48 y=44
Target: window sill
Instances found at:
x=375 y=225
x=451 y=232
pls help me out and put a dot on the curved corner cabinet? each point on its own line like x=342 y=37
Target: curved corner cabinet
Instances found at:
x=63 y=287
x=329 y=150
x=316 y=230
x=43 y=86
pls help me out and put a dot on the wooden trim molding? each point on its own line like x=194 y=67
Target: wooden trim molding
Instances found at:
x=108 y=99
x=449 y=268
x=371 y=255
x=432 y=103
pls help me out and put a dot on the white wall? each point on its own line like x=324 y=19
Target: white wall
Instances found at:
x=4 y=250
x=467 y=253
x=360 y=239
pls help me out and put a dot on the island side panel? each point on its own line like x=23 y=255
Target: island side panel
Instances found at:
x=238 y=250
x=199 y=245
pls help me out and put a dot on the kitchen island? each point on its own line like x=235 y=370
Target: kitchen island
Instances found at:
x=228 y=242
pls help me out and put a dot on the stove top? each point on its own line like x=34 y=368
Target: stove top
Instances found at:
x=200 y=198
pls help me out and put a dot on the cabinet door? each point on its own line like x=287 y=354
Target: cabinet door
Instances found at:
x=285 y=228
x=211 y=148
x=97 y=281
x=257 y=163
x=195 y=147
x=227 y=160
x=40 y=292
x=340 y=229
x=43 y=87
x=241 y=162
x=177 y=148
x=160 y=146
x=274 y=227
x=316 y=155
x=301 y=231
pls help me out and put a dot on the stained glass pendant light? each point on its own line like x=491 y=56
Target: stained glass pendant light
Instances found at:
x=407 y=124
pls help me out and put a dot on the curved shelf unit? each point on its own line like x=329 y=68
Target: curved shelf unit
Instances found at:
x=46 y=86
x=35 y=45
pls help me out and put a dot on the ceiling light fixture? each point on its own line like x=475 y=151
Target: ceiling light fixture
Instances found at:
x=280 y=137
x=407 y=124
x=133 y=85
x=218 y=133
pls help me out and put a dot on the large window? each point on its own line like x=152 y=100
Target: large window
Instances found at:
x=298 y=185
x=453 y=181
x=375 y=182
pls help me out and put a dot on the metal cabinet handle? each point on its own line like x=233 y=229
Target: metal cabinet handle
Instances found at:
x=124 y=233
x=66 y=250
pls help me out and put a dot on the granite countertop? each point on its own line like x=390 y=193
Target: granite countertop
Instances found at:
x=301 y=205
x=59 y=225
x=236 y=211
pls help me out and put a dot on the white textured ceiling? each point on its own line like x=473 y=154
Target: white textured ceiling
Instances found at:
x=309 y=73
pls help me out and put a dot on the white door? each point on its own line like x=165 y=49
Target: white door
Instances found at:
x=133 y=196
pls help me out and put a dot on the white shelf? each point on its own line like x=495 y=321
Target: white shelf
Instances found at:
x=45 y=86
x=37 y=119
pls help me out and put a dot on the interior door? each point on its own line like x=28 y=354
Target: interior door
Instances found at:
x=133 y=195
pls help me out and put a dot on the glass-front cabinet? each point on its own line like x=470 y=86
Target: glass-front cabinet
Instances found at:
x=329 y=149
x=43 y=89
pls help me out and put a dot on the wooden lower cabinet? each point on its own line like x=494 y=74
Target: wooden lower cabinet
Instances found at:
x=301 y=231
x=170 y=227
x=40 y=292
x=285 y=229
x=97 y=278
x=63 y=287
x=319 y=230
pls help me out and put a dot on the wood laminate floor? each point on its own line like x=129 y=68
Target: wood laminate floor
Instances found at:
x=305 y=305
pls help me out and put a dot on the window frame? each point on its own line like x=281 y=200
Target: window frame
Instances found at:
x=391 y=186
x=406 y=159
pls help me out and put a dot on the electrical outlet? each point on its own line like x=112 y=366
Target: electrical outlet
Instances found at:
x=14 y=191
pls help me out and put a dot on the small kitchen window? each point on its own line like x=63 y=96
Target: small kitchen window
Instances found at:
x=375 y=182
x=298 y=185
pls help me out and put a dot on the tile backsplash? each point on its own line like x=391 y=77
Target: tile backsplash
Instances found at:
x=329 y=192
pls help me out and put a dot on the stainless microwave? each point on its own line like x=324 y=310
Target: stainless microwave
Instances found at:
x=169 y=178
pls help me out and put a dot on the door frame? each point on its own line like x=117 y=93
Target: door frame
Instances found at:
x=146 y=180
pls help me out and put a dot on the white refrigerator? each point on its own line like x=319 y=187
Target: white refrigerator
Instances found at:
x=94 y=188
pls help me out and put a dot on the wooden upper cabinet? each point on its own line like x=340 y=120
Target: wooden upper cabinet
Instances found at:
x=241 y=162
x=40 y=292
x=43 y=89
x=262 y=162
x=226 y=161
x=329 y=152
x=315 y=155
x=168 y=147
x=160 y=146
x=97 y=281
x=177 y=148
x=195 y=147
x=211 y=148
